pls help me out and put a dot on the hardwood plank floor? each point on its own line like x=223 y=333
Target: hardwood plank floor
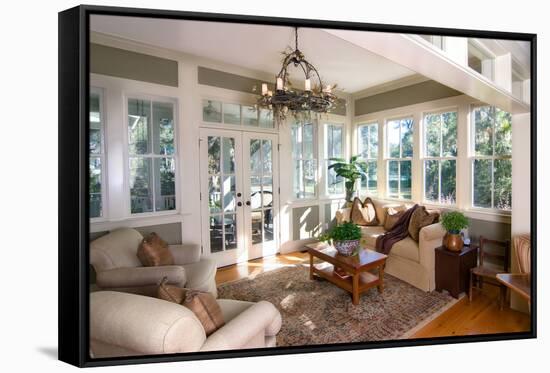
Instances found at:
x=481 y=316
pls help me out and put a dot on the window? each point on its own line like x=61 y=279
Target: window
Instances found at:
x=440 y=149
x=480 y=60
x=367 y=146
x=152 y=155
x=236 y=114
x=399 y=157
x=97 y=156
x=334 y=148
x=492 y=163
x=304 y=161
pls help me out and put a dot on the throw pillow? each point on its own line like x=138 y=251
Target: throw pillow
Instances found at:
x=153 y=251
x=419 y=219
x=363 y=213
x=392 y=216
x=201 y=303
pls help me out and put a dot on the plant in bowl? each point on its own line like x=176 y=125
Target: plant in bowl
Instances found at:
x=351 y=171
x=344 y=237
x=454 y=222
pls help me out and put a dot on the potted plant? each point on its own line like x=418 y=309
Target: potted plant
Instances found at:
x=344 y=237
x=454 y=222
x=351 y=171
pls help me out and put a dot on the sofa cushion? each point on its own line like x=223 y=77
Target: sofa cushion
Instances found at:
x=380 y=212
x=370 y=233
x=153 y=251
x=419 y=219
x=200 y=274
x=363 y=213
x=406 y=248
x=392 y=216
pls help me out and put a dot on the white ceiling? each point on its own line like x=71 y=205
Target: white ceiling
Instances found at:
x=259 y=47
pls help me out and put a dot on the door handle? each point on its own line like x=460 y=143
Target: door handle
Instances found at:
x=239 y=204
x=248 y=203
x=239 y=194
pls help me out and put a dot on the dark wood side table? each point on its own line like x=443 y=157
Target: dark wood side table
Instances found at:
x=452 y=269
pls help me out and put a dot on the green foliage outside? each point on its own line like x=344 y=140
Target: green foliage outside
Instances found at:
x=346 y=231
x=454 y=222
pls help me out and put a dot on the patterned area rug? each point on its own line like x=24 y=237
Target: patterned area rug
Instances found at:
x=318 y=312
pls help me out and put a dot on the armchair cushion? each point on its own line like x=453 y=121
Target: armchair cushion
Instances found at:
x=419 y=219
x=116 y=250
x=185 y=253
x=140 y=276
x=153 y=251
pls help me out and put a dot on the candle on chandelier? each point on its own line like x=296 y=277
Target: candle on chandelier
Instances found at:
x=328 y=89
x=269 y=93
x=307 y=85
x=264 y=89
x=279 y=84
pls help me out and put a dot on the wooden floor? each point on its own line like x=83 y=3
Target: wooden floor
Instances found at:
x=481 y=316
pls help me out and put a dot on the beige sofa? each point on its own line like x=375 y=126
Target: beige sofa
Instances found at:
x=114 y=258
x=410 y=261
x=123 y=324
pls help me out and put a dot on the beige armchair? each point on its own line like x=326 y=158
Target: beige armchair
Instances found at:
x=123 y=324
x=114 y=258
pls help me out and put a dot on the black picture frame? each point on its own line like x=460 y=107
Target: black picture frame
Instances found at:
x=74 y=83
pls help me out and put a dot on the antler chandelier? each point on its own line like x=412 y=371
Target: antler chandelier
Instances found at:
x=318 y=99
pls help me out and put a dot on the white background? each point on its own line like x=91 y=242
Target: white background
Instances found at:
x=28 y=184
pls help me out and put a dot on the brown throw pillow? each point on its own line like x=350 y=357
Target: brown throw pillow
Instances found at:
x=153 y=251
x=392 y=216
x=419 y=219
x=363 y=213
x=201 y=303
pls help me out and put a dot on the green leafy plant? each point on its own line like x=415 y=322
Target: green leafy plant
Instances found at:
x=454 y=222
x=346 y=231
x=351 y=171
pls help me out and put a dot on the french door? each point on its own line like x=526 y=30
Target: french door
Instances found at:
x=239 y=194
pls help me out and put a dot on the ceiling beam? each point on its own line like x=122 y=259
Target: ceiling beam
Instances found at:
x=426 y=60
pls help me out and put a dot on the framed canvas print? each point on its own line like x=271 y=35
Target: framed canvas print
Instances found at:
x=235 y=186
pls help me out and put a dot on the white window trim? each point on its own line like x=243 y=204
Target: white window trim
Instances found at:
x=387 y=157
x=315 y=136
x=325 y=158
x=102 y=156
x=368 y=159
x=128 y=203
x=425 y=157
x=473 y=157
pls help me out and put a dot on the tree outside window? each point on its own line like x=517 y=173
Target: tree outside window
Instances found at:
x=367 y=145
x=492 y=163
x=304 y=162
x=399 y=157
x=96 y=152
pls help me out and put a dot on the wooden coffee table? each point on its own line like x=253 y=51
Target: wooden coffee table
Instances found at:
x=353 y=273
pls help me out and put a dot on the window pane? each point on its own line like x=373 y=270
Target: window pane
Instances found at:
x=334 y=141
x=296 y=138
x=231 y=113
x=307 y=136
x=297 y=179
x=373 y=139
x=95 y=124
x=257 y=226
x=266 y=118
x=163 y=128
x=139 y=117
x=216 y=234
x=431 y=180
x=214 y=194
x=406 y=138
x=405 y=179
x=211 y=111
x=214 y=147
x=267 y=157
x=255 y=156
x=482 y=182
x=483 y=123
x=309 y=179
x=372 y=184
x=503 y=133
x=229 y=194
x=228 y=155
x=503 y=184
x=250 y=116
x=363 y=141
x=433 y=136
x=255 y=192
x=95 y=187
x=268 y=225
x=165 y=190
x=230 y=231
x=449 y=134
x=393 y=138
x=335 y=184
x=140 y=185
x=448 y=182
x=267 y=195
x=393 y=179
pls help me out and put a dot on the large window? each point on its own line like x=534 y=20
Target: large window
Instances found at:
x=152 y=155
x=304 y=160
x=492 y=163
x=367 y=146
x=334 y=148
x=440 y=150
x=229 y=113
x=399 y=157
x=97 y=156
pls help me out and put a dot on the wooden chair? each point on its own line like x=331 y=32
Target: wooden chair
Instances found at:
x=488 y=274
